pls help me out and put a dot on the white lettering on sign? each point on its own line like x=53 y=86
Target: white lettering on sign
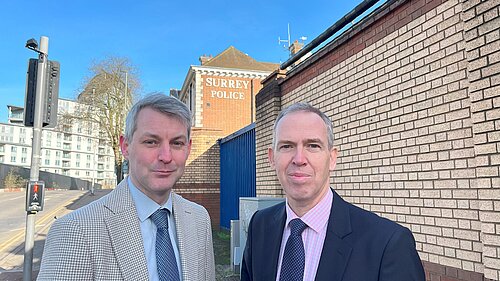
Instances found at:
x=228 y=95
x=226 y=83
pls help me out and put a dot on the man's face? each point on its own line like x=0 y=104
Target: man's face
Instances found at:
x=157 y=153
x=302 y=159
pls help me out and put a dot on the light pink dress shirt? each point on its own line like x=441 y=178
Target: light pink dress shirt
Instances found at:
x=313 y=236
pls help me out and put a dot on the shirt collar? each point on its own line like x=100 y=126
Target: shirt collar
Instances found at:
x=316 y=218
x=146 y=206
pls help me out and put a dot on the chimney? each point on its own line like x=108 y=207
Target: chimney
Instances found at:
x=204 y=59
x=174 y=93
x=295 y=47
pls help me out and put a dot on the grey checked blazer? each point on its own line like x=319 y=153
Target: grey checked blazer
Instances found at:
x=103 y=241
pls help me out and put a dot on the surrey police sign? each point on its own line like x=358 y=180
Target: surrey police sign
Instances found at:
x=232 y=86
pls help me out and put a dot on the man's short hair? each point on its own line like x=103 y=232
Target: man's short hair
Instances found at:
x=302 y=106
x=163 y=104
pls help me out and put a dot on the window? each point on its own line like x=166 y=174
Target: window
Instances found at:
x=77 y=164
x=88 y=157
x=58 y=153
x=78 y=156
x=58 y=162
x=47 y=153
x=87 y=173
x=47 y=162
x=23 y=159
x=87 y=165
x=13 y=159
x=13 y=149
x=24 y=150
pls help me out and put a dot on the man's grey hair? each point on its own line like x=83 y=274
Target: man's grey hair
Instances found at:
x=302 y=106
x=162 y=103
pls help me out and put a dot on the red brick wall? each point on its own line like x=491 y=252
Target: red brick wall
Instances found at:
x=208 y=198
x=224 y=110
x=201 y=180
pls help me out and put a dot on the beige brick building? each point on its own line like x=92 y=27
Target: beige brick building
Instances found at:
x=413 y=90
x=221 y=96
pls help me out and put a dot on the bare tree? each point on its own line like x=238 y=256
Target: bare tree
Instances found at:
x=105 y=101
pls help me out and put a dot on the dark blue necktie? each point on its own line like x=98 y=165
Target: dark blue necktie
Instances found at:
x=294 y=257
x=165 y=257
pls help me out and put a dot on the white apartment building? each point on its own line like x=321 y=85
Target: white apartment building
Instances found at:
x=74 y=150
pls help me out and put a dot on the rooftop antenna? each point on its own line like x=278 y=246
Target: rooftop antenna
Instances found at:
x=285 y=41
x=288 y=45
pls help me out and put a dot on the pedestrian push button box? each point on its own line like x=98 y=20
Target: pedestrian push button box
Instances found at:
x=34 y=196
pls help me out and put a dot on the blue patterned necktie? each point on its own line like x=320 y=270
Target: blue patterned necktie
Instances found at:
x=294 y=257
x=165 y=257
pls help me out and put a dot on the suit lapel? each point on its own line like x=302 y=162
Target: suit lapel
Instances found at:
x=272 y=237
x=336 y=253
x=186 y=237
x=125 y=234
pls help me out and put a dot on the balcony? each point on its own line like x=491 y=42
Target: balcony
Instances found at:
x=67 y=138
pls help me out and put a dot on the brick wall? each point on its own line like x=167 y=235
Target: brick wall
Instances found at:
x=482 y=44
x=268 y=103
x=228 y=102
x=210 y=200
x=413 y=94
x=201 y=180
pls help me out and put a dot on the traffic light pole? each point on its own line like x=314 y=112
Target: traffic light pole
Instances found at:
x=35 y=155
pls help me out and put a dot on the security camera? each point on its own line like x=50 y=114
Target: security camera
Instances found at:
x=32 y=44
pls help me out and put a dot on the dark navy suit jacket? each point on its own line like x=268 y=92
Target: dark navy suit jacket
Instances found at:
x=359 y=246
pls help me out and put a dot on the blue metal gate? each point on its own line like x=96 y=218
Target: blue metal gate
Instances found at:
x=237 y=172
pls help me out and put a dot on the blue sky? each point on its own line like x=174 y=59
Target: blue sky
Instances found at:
x=161 y=38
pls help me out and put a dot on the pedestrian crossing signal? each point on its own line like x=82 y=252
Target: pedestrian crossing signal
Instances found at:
x=34 y=196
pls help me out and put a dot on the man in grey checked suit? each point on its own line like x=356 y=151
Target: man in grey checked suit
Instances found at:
x=114 y=238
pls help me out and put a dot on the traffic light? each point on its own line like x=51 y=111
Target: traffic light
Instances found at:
x=34 y=196
x=50 y=94
x=29 y=101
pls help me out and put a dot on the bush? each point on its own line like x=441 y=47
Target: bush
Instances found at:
x=14 y=180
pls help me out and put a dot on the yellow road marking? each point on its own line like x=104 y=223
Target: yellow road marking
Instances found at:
x=41 y=221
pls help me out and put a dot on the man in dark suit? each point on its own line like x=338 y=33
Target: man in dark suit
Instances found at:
x=315 y=234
